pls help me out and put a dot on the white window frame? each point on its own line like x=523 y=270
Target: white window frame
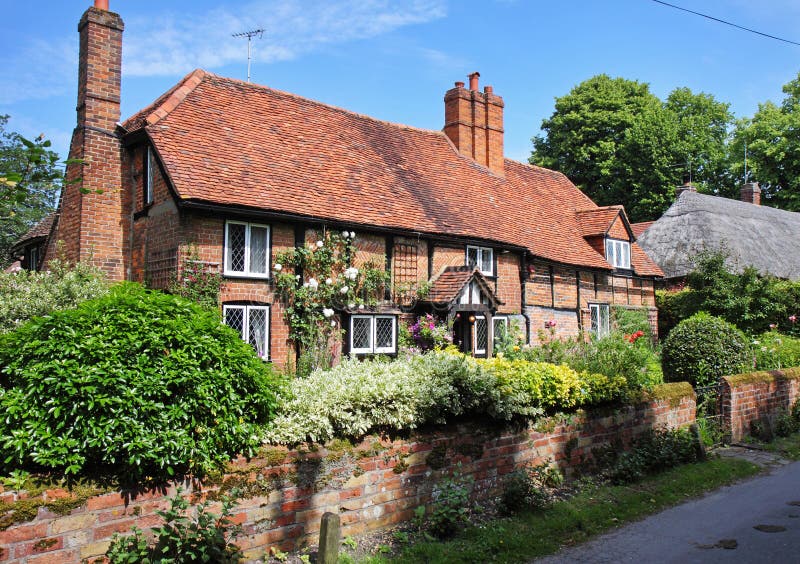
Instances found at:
x=504 y=319
x=618 y=253
x=33 y=260
x=603 y=316
x=480 y=252
x=149 y=175
x=246 y=309
x=373 y=349
x=246 y=272
x=475 y=349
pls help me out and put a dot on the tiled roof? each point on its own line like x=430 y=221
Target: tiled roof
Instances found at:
x=38 y=231
x=227 y=142
x=639 y=228
x=597 y=221
x=446 y=287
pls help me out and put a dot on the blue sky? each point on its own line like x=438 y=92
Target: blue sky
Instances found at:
x=395 y=59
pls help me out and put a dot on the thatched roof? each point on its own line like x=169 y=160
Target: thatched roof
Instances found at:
x=765 y=238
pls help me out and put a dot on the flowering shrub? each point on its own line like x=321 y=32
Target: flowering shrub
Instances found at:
x=355 y=397
x=327 y=284
x=774 y=351
x=426 y=334
x=25 y=294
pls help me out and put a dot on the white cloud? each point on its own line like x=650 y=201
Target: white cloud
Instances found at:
x=172 y=44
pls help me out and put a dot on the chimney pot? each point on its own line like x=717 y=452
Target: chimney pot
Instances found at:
x=101 y=4
x=459 y=84
x=687 y=186
x=473 y=81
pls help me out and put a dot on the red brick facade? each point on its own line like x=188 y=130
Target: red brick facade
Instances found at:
x=747 y=398
x=377 y=484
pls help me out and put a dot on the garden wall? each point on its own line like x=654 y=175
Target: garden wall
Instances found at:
x=757 y=396
x=377 y=483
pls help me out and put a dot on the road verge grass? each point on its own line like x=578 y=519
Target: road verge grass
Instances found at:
x=594 y=510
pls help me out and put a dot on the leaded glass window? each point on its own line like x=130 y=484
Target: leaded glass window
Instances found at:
x=252 y=324
x=246 y=249
x=370 y=334
x=481 y=258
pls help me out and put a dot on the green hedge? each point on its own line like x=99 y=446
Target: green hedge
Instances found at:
x=135 y=385
x=355 y=398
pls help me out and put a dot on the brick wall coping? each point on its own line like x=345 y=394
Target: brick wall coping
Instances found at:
x=766 y=376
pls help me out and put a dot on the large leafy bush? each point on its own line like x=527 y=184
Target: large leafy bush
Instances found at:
x=26 y=294
x=134 y=385
x=355 y=397
x=702 y=349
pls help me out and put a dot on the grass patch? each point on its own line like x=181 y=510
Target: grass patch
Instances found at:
x=788 y=447
x=593 y=511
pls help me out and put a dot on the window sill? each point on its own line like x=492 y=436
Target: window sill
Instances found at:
x=246 y=275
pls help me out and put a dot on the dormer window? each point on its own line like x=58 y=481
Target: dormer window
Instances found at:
x=618 y=253
x=481 y=258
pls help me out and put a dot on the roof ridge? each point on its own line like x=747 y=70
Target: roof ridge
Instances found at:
x=178 y=95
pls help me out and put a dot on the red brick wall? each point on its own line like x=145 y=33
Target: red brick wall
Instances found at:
x=447 y=256
x=761 y=395
x=377 y=484
x=508 y=283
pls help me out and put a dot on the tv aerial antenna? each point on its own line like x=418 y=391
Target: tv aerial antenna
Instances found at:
x=249 y=35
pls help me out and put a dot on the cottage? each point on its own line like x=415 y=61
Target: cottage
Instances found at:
x=749 y=233
x=241 y=172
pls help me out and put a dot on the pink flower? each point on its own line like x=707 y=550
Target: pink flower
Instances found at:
x=773 y=326
x=793 y=318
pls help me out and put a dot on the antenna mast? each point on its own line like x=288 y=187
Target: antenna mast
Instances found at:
x=249 y=35
x=745 y=161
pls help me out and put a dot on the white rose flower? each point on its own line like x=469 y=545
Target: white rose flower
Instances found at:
x=329 y=281
x=352 y=234
x=327 y=312
x=360 y=306
x=333 y=324
x=344 y=289
x=278 y=267
x=345 y=234
x=313 y=284
x=351 y=306
x=297 y=277
x=320 y=243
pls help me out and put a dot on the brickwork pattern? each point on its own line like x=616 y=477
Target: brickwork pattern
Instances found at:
x=447 y=256
x=376 y=485
x=764 y=396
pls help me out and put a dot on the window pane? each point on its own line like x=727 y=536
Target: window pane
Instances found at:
x=480 y=334
x=593 y=314
x=500 y=329
x=234 y=317
x=258 y=330
x=234 y=261
x=472 y=256
x=151 y=166
x=384 y=333
x=626 y=255
x=604 y=315
x=486 y=261
x=362 y=333
x=258 y=249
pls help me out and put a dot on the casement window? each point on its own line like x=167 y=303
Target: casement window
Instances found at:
x=149 y=175
x=500 y=328
x=618 y=253
x=481 y=258
x=600 y=319
x=246 y=249
x=33 y=263
x=480 y=333
x=373 y=334
x=252 y=323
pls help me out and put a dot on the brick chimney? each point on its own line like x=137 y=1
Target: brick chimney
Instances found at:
x=473 y=121
x=92 y=222
x=687 y=186
x=750 y=192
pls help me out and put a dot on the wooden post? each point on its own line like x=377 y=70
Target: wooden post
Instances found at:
x=329 y=539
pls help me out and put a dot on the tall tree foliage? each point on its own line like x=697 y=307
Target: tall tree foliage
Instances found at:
x=622 y=145
x=29 y=184
x=772 y=137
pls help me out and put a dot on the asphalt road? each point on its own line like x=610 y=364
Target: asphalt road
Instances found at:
x=697 y=531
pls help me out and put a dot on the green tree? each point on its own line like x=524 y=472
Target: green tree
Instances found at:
x=30 y=180
x=773 y=149
x=621 y=145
